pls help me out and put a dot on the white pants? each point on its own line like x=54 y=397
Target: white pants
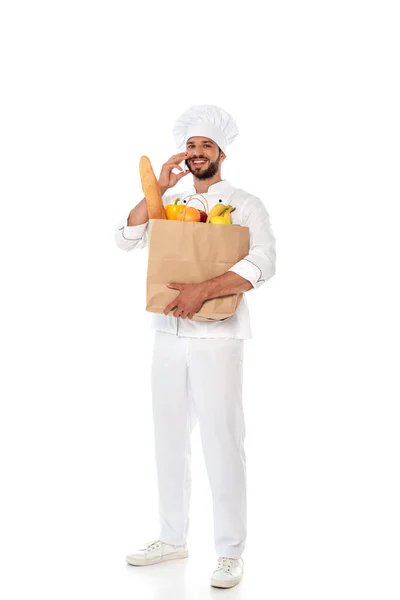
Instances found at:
x=200 y=378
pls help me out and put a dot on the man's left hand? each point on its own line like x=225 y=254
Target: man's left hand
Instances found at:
x=188 y=302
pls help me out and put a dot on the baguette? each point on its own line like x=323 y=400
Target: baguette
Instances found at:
x=151 y=190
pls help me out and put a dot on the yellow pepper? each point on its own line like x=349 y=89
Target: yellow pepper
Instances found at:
x=171 y=209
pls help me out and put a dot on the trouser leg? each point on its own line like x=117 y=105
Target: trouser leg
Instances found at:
x=173 y=419
x=215 y=375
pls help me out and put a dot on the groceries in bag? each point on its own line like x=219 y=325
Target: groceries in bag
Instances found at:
x=220 y=214
x=189 y=252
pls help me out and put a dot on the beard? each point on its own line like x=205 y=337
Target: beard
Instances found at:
x=207 y=173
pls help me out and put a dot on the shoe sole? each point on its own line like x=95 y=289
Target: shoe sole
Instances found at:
x=143 y=562
x=224 y=584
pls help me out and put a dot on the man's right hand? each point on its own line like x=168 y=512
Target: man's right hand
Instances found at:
x=167 y=178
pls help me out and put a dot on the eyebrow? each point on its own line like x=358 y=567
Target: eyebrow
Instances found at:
x=203 y=142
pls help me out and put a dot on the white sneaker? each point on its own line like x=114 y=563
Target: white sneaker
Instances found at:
x=228 y=572
x=156 y=552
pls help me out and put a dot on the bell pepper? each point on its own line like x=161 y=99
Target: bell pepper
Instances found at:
x=171 y=209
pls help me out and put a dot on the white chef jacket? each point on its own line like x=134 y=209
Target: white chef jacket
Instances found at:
x=257 y=267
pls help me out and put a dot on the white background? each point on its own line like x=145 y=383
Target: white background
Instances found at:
x=87 y=88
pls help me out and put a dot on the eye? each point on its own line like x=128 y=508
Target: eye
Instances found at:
x=220 y=200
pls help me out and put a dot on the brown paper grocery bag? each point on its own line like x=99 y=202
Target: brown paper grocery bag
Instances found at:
x=189 y=252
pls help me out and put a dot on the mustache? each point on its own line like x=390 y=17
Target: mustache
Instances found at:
x=198 y=158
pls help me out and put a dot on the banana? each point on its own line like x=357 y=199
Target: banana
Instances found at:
x=216 y=211
x=227 y=214
x=225 y=218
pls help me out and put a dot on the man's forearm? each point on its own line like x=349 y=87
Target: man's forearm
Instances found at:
x=224 y=285
x=139 y=214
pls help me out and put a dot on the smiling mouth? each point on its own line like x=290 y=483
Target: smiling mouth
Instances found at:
x=198 y=163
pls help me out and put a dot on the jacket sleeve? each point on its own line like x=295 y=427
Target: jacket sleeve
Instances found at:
x=131 y=237
x=135 y=237
x=259 y=265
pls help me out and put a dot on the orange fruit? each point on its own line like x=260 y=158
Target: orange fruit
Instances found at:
x=189 y=213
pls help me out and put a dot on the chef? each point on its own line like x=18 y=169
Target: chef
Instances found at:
x=197 y=367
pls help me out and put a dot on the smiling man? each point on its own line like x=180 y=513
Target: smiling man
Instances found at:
x=203 y=163
x=197 y=367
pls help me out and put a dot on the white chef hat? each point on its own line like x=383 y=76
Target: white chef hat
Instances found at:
x=205 y=120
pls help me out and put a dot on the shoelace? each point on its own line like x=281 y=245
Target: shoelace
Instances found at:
x=226 y=563
x=152 y=545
